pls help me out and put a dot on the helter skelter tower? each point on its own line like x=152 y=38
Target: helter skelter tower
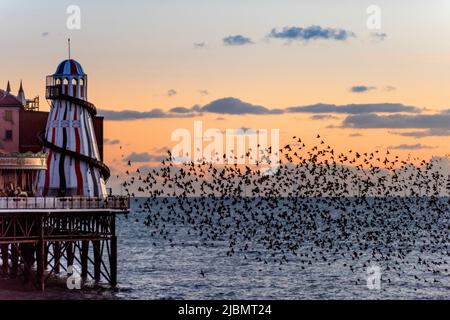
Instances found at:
x=74 y=167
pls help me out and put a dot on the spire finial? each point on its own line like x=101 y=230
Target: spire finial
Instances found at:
x=68 y=43
x=8 y=87
x=21 y=95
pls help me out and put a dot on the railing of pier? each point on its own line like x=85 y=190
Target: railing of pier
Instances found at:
x=57 y=203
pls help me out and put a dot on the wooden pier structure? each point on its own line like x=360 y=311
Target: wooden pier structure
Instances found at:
x=44 y=237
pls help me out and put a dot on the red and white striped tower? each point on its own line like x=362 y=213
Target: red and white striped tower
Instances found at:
x=74 y=167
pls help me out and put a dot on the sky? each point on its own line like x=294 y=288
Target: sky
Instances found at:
x=262 y=64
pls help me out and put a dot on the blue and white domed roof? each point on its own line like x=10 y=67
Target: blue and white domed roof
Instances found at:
x=70 y=67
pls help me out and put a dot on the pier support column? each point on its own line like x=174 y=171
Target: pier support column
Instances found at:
x=113 y=257
x=57 y=256
x=40 y=256
x=14 y=259
x=27 y=257
x=97 y=259
x=113 y=261
x=84 y=258
x=46 y=252
x=5 y=258
x=70 y=253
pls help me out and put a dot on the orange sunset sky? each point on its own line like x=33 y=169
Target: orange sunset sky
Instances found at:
x=155 y=66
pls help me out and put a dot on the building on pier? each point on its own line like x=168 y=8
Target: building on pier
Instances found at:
x=74 y=164
x=21 y=152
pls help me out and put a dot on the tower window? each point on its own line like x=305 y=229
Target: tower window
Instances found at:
x=8 y=116
x=8 y=134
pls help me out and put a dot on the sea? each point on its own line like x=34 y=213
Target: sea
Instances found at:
x=150 y=267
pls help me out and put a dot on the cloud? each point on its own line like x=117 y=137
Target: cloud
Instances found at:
x=199 y=45
x=237 y=40
x=220 y=118
x=242 y=131
x=313 y=32
x=143 y=157
x=162 y=150
x=323 y=117
x=398 y=121
x=354 y=108
x=354 y=135
x=136 y=115
x=147 y=168
x=182 y=110
x=138 y=157
x=417 y=146
x=204 y=92
x=390 y=88
x=45 y=34
x=361 y=89
x=111 y=141
x=171 y=92
x=425 y=133
x=381 y=36
x=236 y=106
x=246 y=131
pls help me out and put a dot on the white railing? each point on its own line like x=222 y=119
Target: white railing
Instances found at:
x=27 y=203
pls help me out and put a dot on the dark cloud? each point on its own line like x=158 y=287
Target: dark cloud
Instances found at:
x=354 y=135
x=237 y=40
x=425 y=133
x=390 y=88
x=398 y=121
x=146 y=168
x=171 y=92
x=144 y=157
x=323 y=117
x=138 y=157
x=311 y=33
x=111 y=141
x=381 y=36
x=181 y=110
x=354 y=108
x=162 y=150
x=236 y=106
x=135 y=115
x=361 y=89
x=244 y=131
x=417 y=146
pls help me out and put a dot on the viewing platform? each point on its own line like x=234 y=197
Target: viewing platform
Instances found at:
x=49 y=204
